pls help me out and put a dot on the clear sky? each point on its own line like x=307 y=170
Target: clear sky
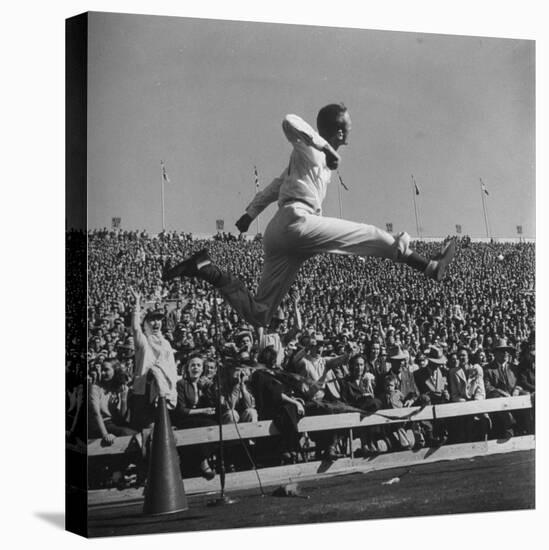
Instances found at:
x=208 y=98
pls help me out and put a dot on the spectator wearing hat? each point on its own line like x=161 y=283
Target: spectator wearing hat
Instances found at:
x=432 y=386
x=394 y=435
x=430 y=381
x=501 y=380
x=500 y=375
x=466 y=383
x=155 y=369
x=400 y=369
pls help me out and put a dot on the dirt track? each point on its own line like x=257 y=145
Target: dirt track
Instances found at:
x=483 y=484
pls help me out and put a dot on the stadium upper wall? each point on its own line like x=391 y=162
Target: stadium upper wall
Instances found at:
x=197 y=236
x=208 y=236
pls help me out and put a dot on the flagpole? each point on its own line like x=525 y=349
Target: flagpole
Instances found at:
x=414 y=193
x=340 y=207
x=256 y=178
x=482 y=192
x=162 y=192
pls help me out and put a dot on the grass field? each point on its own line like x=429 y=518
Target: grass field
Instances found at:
x=482 y=484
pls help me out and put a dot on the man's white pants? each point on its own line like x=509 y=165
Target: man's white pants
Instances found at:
x=294 y=235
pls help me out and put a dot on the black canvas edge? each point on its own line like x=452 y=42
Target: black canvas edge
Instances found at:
x=76 y=61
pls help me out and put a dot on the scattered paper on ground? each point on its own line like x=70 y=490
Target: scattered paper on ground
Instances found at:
x=391 y=481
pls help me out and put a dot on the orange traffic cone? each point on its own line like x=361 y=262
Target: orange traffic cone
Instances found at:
x=164 y=491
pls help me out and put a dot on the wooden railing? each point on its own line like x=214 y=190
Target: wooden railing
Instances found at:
x=350 y=421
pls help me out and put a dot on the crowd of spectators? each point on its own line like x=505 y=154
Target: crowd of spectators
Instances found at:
x=353 y=334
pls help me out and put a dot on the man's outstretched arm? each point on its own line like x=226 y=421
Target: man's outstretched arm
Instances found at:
x=261 y=200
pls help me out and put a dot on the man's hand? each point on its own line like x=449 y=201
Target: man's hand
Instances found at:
x=108 y=439
x=332 y=158
x=294 y=295
x=136 y=296
x=300 y=408
x=243 y=223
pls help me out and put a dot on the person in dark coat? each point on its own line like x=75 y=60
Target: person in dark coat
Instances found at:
x=195 y=408
x=433 y=390
x=501 y=379
x=357 y=389
x=276 y=400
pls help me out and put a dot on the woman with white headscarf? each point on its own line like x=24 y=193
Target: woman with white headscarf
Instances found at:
x=155 y=372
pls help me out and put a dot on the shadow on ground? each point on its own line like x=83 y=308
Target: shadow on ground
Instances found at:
x=57 y=519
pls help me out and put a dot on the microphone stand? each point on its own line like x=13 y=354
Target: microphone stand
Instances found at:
x=223 y=498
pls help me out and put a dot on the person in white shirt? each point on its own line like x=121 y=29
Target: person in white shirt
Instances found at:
x=466 y=383
x=298 y=231
x=155 y=372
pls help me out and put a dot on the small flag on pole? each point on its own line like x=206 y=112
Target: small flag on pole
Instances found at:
x=458 y=228
x=416 y=188
x=219 y=225
x=164 y=173
x=389 y=226
x=116 y=223
x=256 y=177
x=519 y=229
x=484 y=188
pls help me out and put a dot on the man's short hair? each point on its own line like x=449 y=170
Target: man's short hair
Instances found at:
x=355 y=358
x=327 y=120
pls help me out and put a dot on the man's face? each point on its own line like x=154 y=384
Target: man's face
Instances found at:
x=463 y=357
x=397 y=364
x=344 y=129
x=357 y=368
x=246 y=343
x=156 y=325
x=501 y=356
x=290 y=348
x=314 y=346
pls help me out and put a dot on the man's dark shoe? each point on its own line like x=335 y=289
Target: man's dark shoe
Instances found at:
x=188 y=267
